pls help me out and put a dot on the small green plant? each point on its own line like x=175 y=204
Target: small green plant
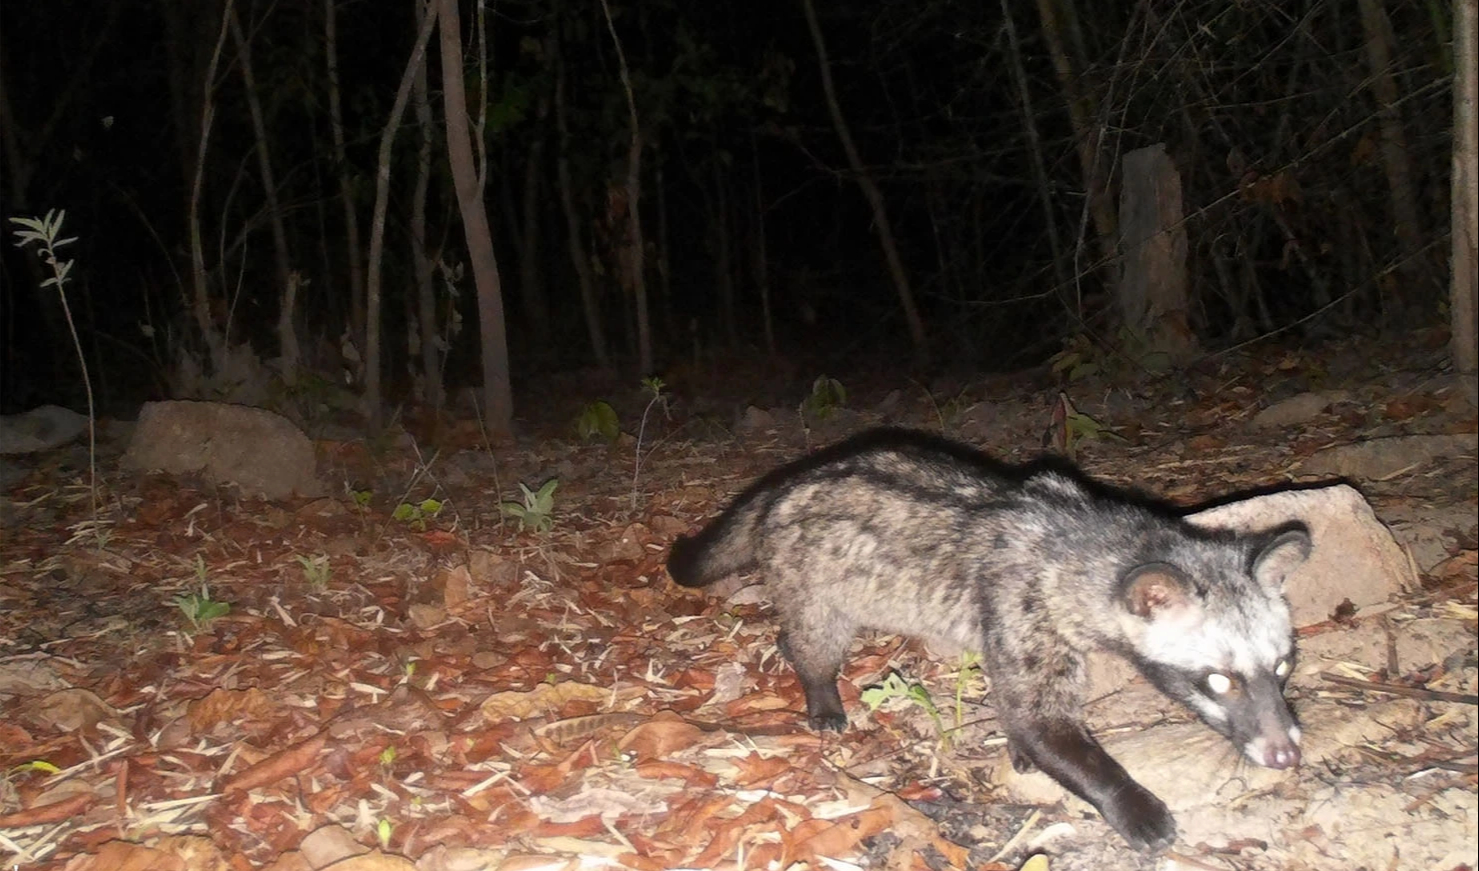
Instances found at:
x=970 y=667
x=199 y=608
x=654 y=387
x=1077 y=360
x=387 y=756
x=40 y=765
x=382 y=833
x=45 y=233
x=1082 y=427
x=1072 y=427
x=827 y=395
x=895 y=687
x=362 y=498
x=418 y=513
x=534 y=513
x=598 y=419
x=316 y=570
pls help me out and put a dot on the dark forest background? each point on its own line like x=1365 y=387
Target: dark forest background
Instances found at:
x=192 y=145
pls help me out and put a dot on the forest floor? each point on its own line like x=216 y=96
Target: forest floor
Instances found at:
x=450 y=691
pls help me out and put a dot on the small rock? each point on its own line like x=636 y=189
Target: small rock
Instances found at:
x=1298 y=409
x=39 y=429
x=755 y=420
x=1353 y=557
x=1380 y=458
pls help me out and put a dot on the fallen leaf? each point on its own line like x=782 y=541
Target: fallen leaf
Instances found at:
x=293 y=760
x=665 y=734
x=48 y=813
x=373 y=861
x=835 y=839
x=756 y=770
x=127 y=856
x=223 y=706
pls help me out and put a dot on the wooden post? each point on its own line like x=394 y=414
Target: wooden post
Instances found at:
x=1152 y=291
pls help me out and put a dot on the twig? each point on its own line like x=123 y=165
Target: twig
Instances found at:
x=1399 y=690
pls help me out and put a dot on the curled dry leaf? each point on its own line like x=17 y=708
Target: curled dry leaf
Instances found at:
x=665 y=734
x=45 y=814
x=756 y=770
x=293 y=760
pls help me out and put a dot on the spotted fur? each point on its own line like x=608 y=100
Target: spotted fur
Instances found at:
x=910 y=533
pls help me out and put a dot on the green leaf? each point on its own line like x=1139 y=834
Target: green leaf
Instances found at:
x=598 y=419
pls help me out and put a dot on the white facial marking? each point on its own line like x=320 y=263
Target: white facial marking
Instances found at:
x=1282 y=669
x=1294 y=734
x=1210 y=710
x=1219 y=683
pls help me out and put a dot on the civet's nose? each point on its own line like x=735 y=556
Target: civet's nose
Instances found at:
x=1280 y=753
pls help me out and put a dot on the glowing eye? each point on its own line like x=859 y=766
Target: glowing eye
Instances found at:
x=1219 y=683
x=1282 y=669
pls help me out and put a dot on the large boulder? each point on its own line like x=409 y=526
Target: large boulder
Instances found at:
x=256 y=450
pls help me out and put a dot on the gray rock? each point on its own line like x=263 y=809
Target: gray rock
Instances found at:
x=1298 y=409
x=1380 y=458
x=39 y=429
x=261 y=452
x=1354 y=557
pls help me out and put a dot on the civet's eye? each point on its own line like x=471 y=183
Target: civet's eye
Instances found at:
x=1218 y=683
x=1282 y=669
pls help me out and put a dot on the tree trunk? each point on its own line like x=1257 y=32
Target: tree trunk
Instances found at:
x=664 y=277
x=1465 y=186
x=355 y=257
x=285 y=279
x=1060 y=23
x=426 y=303
x=633 y=259
x=871 y=193
x=497 y=392
x=579 y=259
x=723 y=273
x=1394 y=154
x=762 y=263
x=1034 y=148
x=531 y=289
x=215 y=340
x=377 y=226
x=1152 y=290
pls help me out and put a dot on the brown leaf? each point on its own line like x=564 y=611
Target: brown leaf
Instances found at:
x=755 y=770
x=372 y=861
x=126 y=856
x=225 y=706
x=293 y=760
x=665 y=734
x=839 y=837
x=1204 y=442
x=48 y=813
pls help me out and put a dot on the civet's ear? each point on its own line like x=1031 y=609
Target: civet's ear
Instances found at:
x=1281 y=551
x=1154 y=590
